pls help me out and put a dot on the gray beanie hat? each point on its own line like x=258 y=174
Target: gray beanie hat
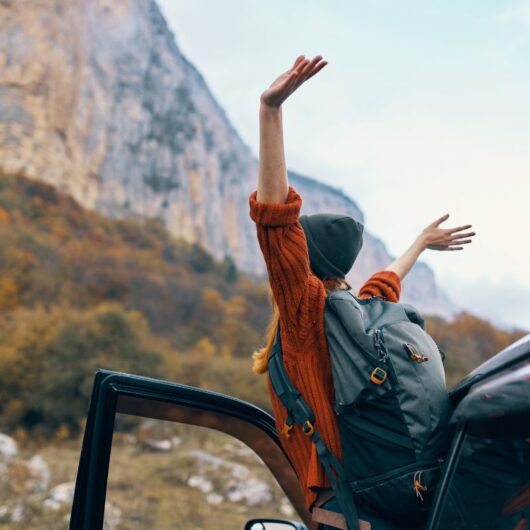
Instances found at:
x=333 y=242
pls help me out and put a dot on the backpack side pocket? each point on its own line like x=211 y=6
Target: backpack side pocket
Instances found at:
x=404 y=494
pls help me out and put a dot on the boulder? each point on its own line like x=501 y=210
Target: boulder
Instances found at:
x=59 y=496
x=113 y=517
x=39 y=473
x=8 y=450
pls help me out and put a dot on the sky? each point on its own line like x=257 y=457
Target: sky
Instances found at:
x=423 y=109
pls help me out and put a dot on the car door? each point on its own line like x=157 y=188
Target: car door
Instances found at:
x=161 y=455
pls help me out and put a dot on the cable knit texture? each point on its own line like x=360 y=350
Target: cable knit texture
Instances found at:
x=301 y=297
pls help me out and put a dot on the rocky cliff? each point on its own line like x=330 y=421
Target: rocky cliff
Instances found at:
x=96 y=98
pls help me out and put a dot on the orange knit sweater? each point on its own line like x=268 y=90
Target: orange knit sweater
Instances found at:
x=301 y=296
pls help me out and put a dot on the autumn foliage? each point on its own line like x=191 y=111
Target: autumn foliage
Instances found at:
x=79 y=291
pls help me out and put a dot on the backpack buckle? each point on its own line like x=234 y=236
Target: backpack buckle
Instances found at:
x=378 y=376
x=287 y=427
x=286 y=430
x=308 y=428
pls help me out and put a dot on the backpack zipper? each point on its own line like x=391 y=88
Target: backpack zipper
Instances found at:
x=379 y=375
x=379 y=345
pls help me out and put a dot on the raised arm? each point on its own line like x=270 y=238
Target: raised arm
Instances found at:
x=275 y=207
x=434 y=238
x=273 y=185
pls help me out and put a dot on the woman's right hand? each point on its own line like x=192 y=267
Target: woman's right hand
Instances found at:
x=282 y=87
x=437 y=238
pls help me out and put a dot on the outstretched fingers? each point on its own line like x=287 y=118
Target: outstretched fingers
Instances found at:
x=462 y=236
x=294 y=75
x=439 y=221
x=291 y=82
x=288 y=79
x=458 y=229
x=307 y=69
x=461 y=242
x=316 y=69
x=298 y=60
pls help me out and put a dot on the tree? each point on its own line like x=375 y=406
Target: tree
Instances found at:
x=47 y=371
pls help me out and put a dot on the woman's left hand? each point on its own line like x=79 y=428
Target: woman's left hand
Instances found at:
x=284 y=85
x=437 y=238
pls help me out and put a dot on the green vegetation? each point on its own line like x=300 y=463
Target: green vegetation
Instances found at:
x=48 y=360
x=80 y=291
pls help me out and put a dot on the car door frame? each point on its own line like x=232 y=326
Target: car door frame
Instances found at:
x=116 y=392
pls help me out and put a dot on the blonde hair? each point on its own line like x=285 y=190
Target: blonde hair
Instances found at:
x=261 y=357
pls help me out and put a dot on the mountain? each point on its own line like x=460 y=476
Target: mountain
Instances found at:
x=97 y=99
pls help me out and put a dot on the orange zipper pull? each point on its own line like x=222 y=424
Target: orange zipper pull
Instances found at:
x=414 y=355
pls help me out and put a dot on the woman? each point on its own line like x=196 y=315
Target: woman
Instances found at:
x=306 y=258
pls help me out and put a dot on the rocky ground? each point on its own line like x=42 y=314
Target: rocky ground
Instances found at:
x=161 y=476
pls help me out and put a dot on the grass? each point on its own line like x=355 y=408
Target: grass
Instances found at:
x=150 y=489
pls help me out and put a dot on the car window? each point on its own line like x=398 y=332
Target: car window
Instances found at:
x=167 y=475
x=489 y=488
x=492 y=473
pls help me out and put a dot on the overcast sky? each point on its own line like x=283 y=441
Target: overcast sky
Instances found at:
x=423 y=109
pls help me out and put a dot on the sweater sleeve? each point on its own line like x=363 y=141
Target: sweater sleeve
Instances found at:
x=284 y=247
x=385 y=284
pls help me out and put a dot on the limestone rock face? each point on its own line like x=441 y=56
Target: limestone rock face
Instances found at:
x=97 y=99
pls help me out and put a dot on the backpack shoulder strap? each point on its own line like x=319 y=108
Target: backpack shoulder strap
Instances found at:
x=300 y=413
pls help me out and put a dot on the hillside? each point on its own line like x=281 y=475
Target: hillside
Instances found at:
x=80 y=291
x=97 y=99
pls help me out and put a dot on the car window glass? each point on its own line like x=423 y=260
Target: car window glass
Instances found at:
x=491 y=487
x=167 y=475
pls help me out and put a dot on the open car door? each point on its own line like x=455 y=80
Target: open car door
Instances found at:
x=190 y=473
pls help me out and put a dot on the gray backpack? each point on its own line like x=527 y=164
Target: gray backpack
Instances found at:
x=392 y=407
